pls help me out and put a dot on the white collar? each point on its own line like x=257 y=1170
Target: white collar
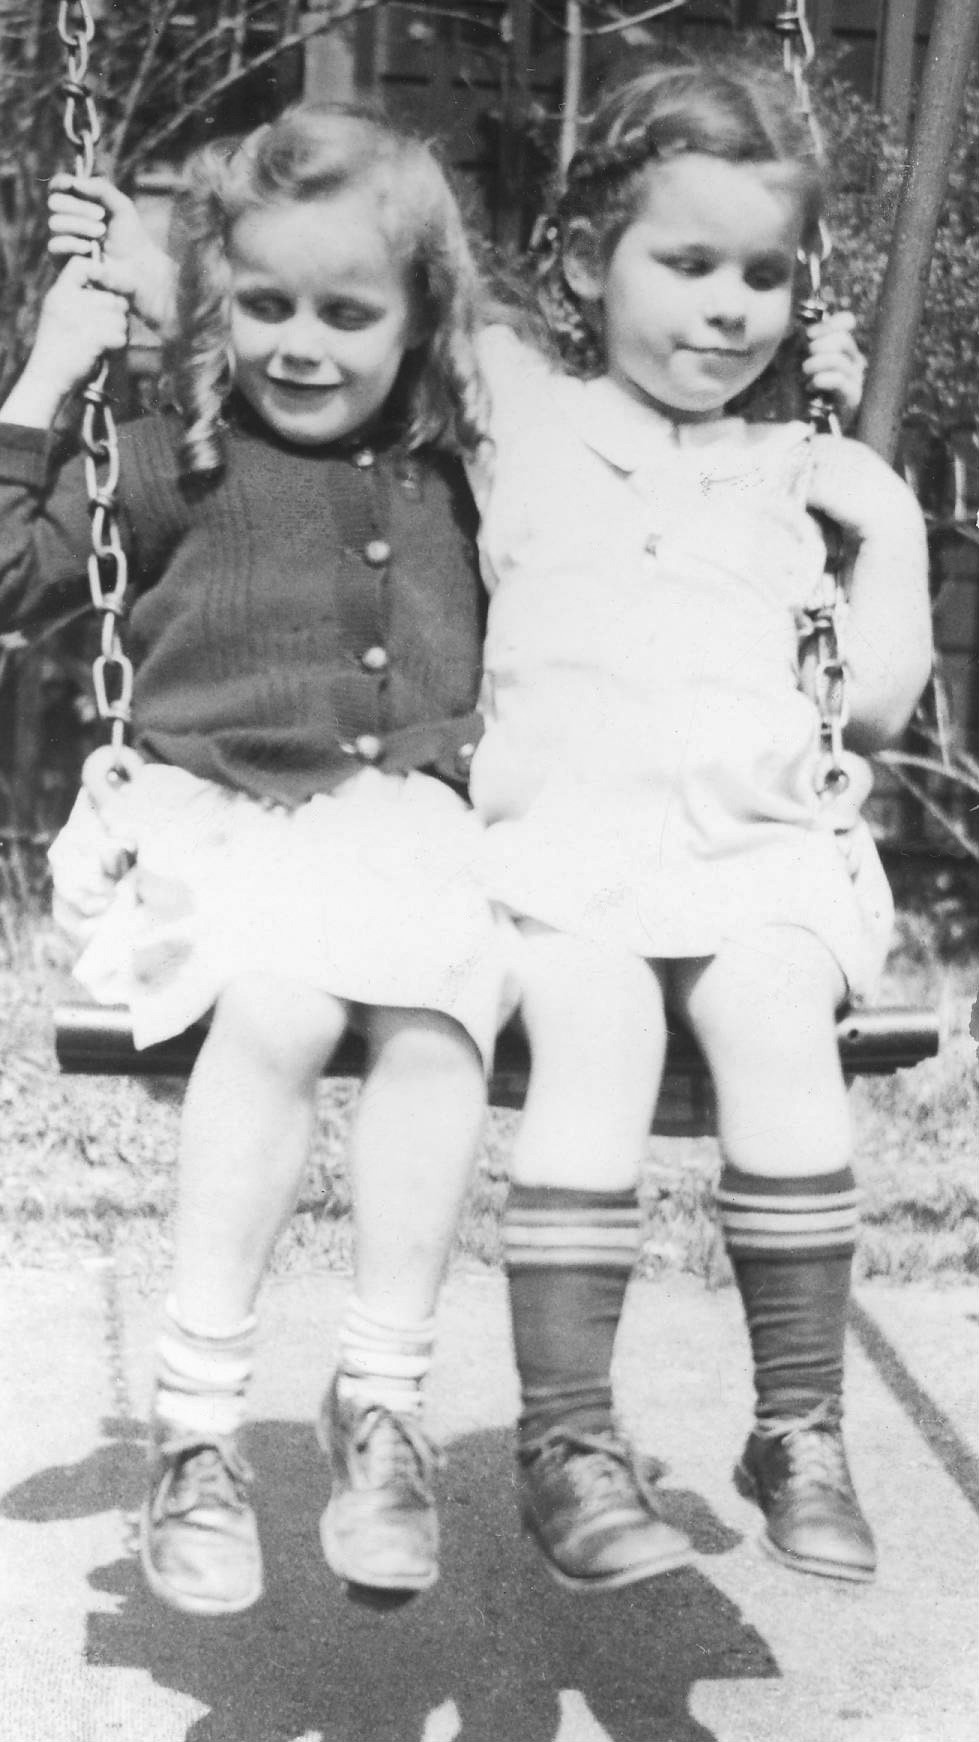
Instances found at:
x=629 y=434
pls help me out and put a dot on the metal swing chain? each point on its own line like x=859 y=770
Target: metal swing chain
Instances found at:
x=108 y=575
x=821 y=637
x=108 y=572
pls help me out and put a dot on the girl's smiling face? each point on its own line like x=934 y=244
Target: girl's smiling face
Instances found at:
x=320 y=315
x=697 y=295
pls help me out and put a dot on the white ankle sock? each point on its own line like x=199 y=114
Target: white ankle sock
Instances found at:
x=383 y=1359
x=202 y=1378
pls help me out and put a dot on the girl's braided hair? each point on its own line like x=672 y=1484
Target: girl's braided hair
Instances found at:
x=721 y=111
x=312 y=152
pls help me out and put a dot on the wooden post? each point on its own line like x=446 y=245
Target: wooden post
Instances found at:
x=515 y=104
x=948 y=64
x=574 y=43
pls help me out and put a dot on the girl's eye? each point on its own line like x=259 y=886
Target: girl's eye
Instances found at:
x=769 y=274
x=350 y=317
x=265 y=305
x=688 y=265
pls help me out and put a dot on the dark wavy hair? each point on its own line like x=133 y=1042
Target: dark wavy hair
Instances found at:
x=309 y=153
x=721 y=111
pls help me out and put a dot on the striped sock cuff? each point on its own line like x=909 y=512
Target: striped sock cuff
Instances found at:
x=814 y=1217
x=552 y=1227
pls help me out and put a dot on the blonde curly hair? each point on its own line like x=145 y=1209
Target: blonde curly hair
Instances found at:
x=310 y=153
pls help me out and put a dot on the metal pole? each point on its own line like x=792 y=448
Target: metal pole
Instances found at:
x=948 y=63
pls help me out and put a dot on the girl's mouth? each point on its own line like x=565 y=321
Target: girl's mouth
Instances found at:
x=301 y=388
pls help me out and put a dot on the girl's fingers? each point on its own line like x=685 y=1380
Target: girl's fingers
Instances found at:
x=75 y=219
x=89 y=190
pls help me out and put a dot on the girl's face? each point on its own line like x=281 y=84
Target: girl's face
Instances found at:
x=697 y=296
x=320 y=316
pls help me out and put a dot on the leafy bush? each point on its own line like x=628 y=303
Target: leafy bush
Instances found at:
x=868 y=171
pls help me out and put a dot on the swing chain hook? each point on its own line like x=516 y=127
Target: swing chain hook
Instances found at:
x=108 y=573
x=822 y=662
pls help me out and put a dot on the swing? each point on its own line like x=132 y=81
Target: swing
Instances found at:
x=96 y=1040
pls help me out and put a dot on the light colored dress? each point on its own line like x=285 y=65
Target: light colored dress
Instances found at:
x=647 y=769
x=372 y=893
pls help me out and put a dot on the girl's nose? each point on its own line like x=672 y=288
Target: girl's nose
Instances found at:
x=302 y=340
x=725 y=299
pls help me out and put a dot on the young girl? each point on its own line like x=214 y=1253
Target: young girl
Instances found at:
x=649 y=774
x=306 y=627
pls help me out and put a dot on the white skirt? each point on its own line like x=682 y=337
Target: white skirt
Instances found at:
x=599 y=871
x=374 y=893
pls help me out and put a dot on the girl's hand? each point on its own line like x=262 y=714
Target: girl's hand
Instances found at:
x=80 y=320
x=87 y=209
x=835 y=364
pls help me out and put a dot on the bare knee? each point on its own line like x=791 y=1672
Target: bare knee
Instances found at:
x=765 y=1017
x=282 y=1027
x=591 y=1007
x=422 y=1046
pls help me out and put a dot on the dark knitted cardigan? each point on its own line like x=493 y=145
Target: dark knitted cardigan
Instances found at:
x=303 y=613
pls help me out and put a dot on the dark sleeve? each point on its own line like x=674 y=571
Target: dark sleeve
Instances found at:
x=45 y=529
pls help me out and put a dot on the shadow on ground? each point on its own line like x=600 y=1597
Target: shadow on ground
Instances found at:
x=495 y=1653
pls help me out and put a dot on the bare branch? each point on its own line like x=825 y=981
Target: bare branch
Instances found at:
x=296 y=39
x=138 y=84
x=927 y=803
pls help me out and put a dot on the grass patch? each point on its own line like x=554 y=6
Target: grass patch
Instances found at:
x=89 y=1163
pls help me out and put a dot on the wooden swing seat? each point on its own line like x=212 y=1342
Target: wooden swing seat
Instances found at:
x=97 y=1040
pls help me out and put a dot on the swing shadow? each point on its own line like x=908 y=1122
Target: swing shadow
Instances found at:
x=495 y=1651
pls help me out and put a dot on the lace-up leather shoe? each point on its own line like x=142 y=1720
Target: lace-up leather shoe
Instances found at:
x=380 y=1530
x=199 y=1545
x=798 y=1474
x=593 y=1518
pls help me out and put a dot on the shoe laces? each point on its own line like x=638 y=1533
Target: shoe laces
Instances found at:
x=396 y=1450
x=201 y=1473
x=813 y=1445
x=599 y=1464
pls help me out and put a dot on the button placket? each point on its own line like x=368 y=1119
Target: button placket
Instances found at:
x=359 y=720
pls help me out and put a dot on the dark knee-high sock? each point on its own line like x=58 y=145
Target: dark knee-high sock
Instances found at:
x=569 y=1257
x=791 y=1243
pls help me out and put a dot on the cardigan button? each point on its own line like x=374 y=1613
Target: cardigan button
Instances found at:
x=368 y=747
x=464 y=756
x=364 y=459
x=377 y=552
x=374 y=659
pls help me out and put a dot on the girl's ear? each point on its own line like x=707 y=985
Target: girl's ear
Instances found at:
x=581 y=261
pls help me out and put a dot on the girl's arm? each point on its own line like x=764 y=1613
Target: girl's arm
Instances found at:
x=45 y=538
x=87 y=209
x=888 y=639
x=80 y=320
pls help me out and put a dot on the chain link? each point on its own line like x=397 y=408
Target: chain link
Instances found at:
x=108 y=575
x=821 y=658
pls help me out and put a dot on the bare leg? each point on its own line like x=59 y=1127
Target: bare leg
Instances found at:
x=412 y=1151
x=246 y=1128
x=411 y=1159
x=247 y=1124
x=763 y=1011
x=597 y=1040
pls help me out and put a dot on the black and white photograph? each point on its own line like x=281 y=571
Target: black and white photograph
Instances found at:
x=489 y=829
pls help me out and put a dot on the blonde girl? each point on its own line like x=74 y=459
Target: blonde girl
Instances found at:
x=306 y=628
